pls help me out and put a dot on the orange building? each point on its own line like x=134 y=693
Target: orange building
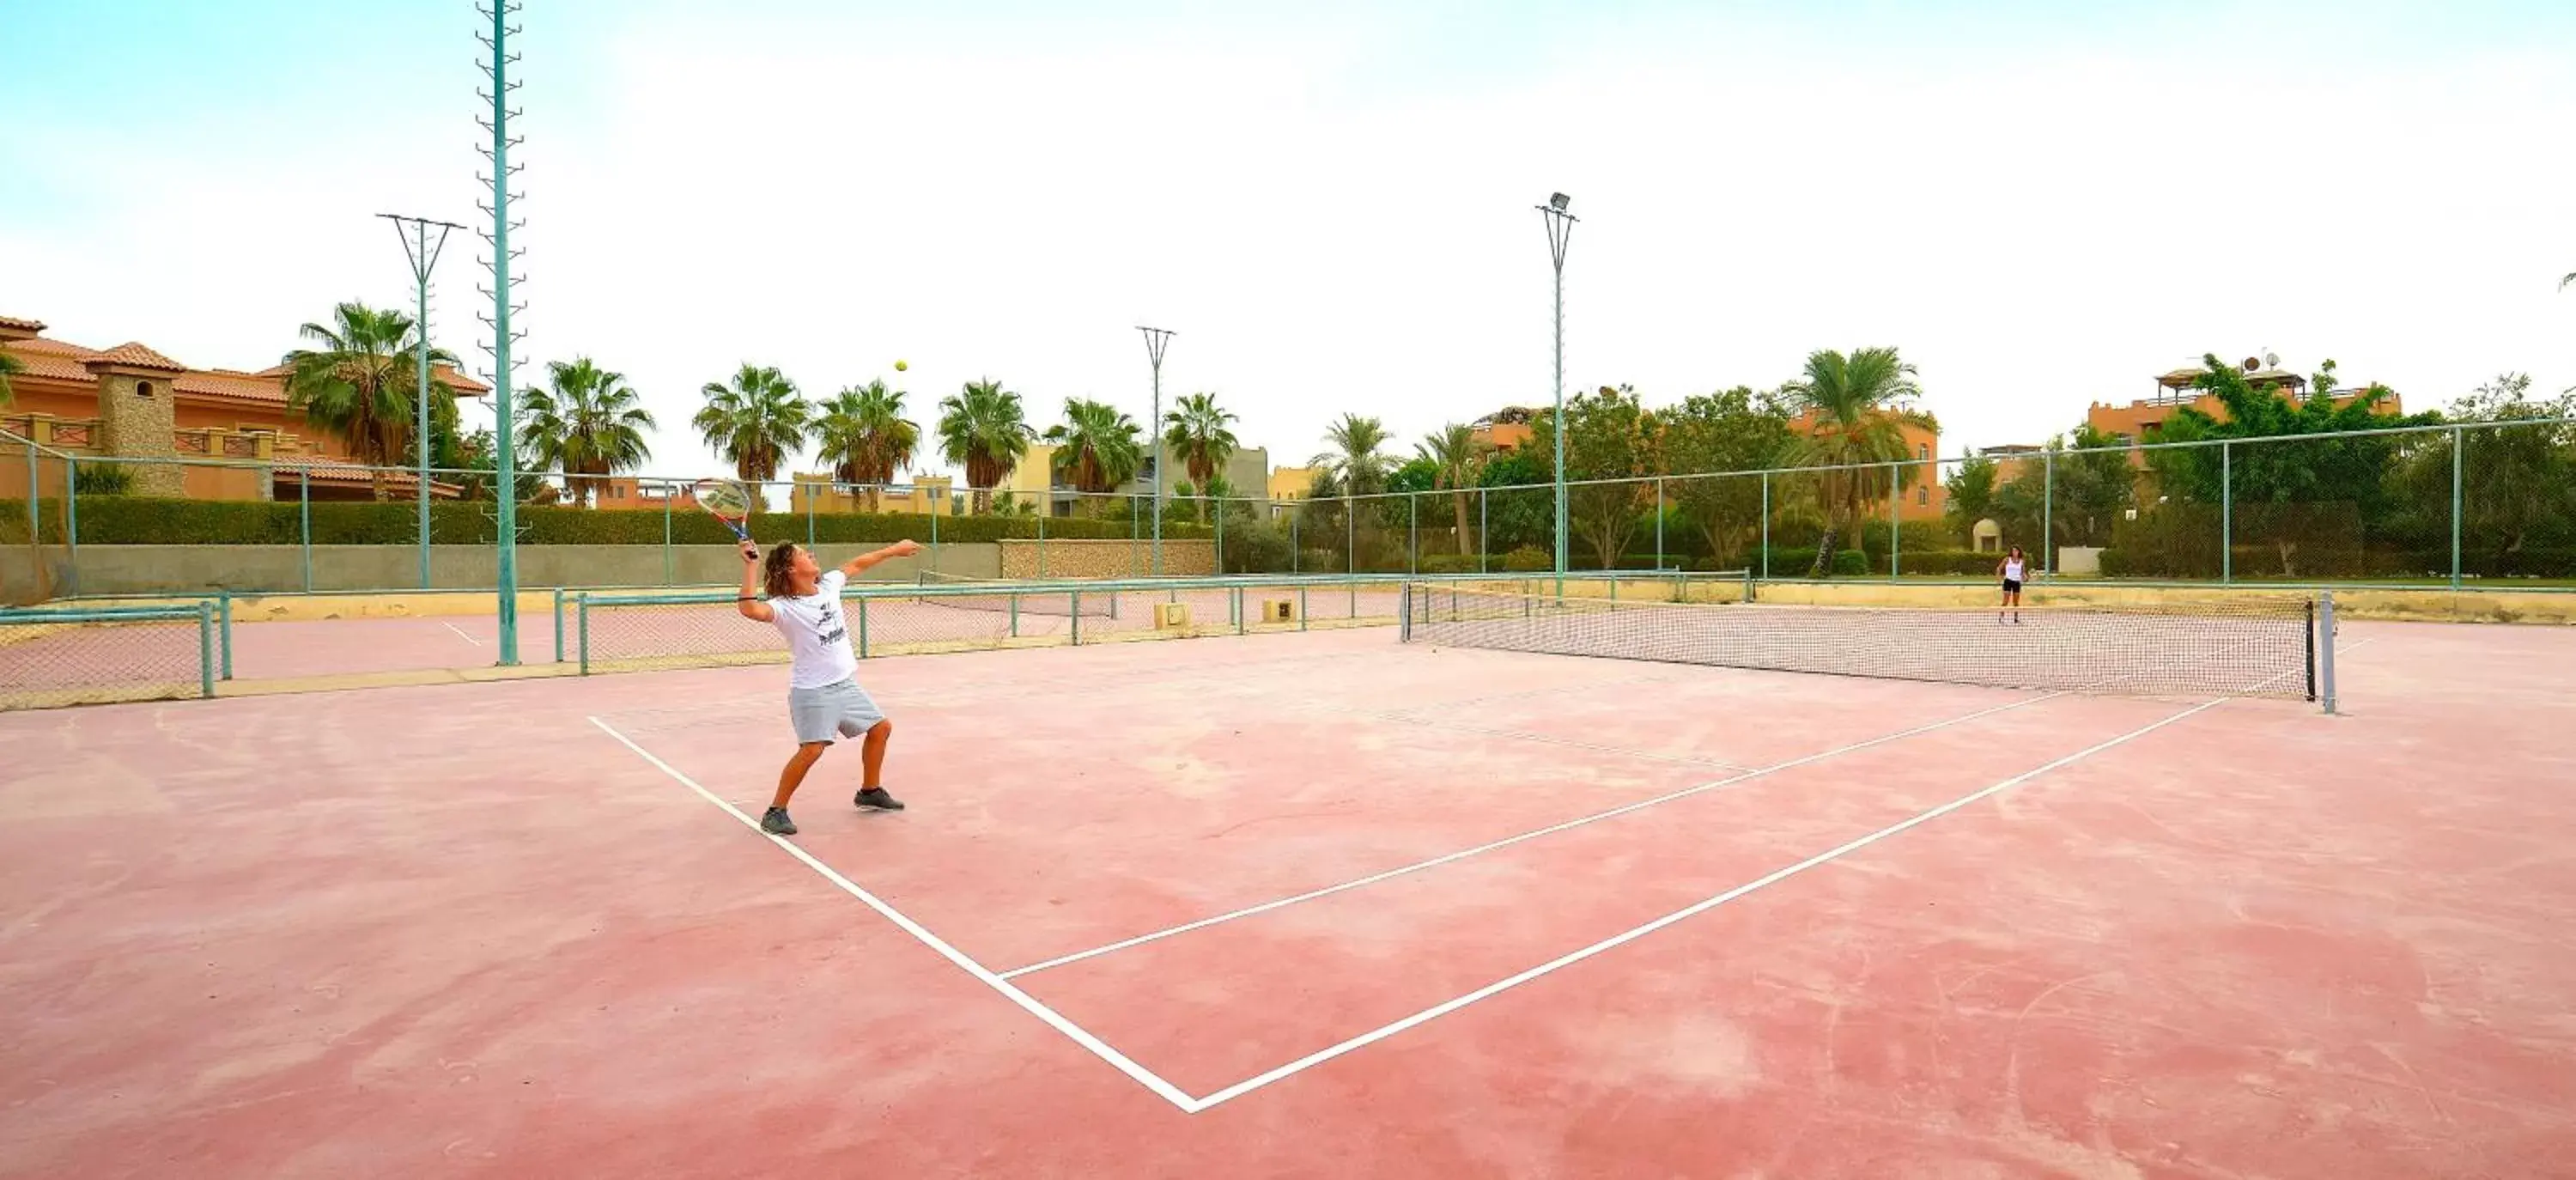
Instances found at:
x=2143 y=420
x=1507 y=429
x=1924 y=498
x=132 y=403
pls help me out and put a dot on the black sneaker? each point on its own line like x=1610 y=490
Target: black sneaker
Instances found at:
x=775 y=822
x=876 y=799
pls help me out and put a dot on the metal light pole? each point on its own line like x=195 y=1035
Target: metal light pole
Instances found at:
x=505 y=422
x=1155 y=339
x=423 y=255
x=1560 y=226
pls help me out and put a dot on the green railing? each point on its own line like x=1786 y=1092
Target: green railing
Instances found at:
x=57 y=657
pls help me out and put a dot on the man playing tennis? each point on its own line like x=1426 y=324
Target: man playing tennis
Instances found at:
x=824 y=699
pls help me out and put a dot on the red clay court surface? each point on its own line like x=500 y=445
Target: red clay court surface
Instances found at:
x=1373 y=910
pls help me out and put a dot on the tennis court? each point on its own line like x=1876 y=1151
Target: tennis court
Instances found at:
x=1437 y=901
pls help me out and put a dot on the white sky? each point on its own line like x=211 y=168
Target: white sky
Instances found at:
x=1332 y=205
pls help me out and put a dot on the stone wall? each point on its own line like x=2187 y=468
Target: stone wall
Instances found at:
x=139 y=422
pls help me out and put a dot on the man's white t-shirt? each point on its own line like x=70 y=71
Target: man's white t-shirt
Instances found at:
x=818 y=634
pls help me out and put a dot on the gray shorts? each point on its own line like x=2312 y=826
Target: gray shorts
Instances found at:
x=842 y=709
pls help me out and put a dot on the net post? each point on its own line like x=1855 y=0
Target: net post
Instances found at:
x=1075 y=610
x=1404 y=622
x=205 y=648
x=224 y=620
x=1301 y=608
x=581 y=611
x=2325 y=631
x=1748 y=585
x=863 y=625
x=559 y=596
x=1015 y=616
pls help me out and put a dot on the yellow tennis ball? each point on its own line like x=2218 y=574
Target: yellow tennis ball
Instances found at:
x=899 y=366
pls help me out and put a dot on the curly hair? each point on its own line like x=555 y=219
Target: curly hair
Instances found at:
x=777 y=568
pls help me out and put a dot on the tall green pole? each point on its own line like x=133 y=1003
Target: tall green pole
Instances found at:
x=1560 y=226
x=423 y=256
x=504 y=422
x=2226 y=512
x=1155 y=339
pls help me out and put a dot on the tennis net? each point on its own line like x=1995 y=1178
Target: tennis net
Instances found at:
x=2257 y=646
x=1008 y=598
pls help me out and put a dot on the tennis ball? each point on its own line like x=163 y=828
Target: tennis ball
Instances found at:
x=899 y=366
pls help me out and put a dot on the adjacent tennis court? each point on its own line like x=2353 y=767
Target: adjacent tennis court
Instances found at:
x=1518 y=888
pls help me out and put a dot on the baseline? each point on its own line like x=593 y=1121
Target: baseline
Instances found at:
x=1080 y=1036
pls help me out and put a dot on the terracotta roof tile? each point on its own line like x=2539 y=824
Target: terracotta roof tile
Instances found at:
x=10 y=321
x=134 y=355
x=232 y=386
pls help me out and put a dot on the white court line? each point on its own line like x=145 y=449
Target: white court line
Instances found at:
x=462 y=635
x=1508 y=841
x=1777 y=875
x=1151 y=1081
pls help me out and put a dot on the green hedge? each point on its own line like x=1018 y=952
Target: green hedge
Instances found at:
x=155 y=520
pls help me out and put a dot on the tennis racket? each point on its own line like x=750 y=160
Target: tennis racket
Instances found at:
x=726 y=501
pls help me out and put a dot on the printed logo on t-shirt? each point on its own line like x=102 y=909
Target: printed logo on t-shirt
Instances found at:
x=827 y=626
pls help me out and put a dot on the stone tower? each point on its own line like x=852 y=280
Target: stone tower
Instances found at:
x=135 y=411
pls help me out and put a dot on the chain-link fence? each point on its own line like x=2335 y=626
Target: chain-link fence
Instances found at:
x=97 y=656
x=2468 y=504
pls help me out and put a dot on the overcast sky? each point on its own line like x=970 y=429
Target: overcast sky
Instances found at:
x=2042 y=204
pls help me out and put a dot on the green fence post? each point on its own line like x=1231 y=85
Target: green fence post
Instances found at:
x=1015 y=616
x=1301 y=608
x=205 y=648
x=35 y=493
x=2047 y=518
x=1659 y=522
x=1077 y=612
x=1412 y=533
x=934 y=534
x=1895 y=526
x=1484 y=535
x=2459 y=442
x=670 y=564
x=225 y=621
x=581 y=611
x=863 y=627
x=559 y=635
x=304 y=511
x=71 y=523
x=1220 y=538
x=809 y=512
x=2226 y=512
x=1766 y=525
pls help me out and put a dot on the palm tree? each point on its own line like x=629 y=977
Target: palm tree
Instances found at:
x=1857 y=409
x=1097 y=446
x=865 y=435
x=1459 y=457
x=754 y=423
x=1195 y=430
x=589 y=426
x=983 y=429
x=1354 y=461
x=362 y=382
